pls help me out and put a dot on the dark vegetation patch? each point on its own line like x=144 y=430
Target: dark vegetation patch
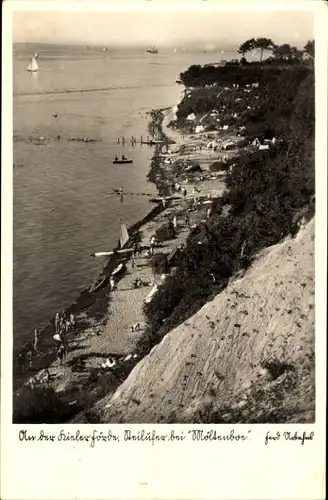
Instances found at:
x=165 y=232
x=264 y=191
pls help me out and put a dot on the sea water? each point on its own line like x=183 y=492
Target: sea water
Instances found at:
x=64 y=208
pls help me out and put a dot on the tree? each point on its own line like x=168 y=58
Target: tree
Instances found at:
x=256 y=43
x=309 y=48
x=247 y=46
x=282 y=51
x=264 y=44
x=296 y=53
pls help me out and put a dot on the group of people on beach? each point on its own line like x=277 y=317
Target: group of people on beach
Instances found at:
x=63 y=325
x=180 y=189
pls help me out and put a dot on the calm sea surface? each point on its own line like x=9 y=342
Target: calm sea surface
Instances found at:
x=63 y=206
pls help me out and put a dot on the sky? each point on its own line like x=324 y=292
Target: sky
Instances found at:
x=162 y=28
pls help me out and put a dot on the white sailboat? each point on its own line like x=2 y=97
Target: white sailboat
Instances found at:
x=33 y=66
x=124 y=238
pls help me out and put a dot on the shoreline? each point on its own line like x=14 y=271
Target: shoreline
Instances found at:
x=99 y=335
x=86 y=302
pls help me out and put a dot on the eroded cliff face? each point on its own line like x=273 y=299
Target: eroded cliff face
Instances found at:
x=246 y=356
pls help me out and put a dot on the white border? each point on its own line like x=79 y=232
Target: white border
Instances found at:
x=205 y=470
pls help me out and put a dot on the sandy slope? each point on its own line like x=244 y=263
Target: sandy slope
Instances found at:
x=246 y=356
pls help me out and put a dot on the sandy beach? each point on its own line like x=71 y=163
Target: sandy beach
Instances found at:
x=104 y=320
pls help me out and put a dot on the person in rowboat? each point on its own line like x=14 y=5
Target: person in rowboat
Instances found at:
x=116 y=158
x=123 y=158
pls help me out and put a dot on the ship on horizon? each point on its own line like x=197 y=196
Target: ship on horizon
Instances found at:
x=152 y=50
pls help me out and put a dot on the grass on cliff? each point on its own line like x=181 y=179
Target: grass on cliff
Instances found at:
x=264 y=195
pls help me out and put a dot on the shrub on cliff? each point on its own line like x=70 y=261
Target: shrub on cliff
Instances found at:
x=40 y=405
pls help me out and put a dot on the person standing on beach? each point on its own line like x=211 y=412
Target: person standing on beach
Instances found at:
x=134 y=251
x=72 y=319
x=57 y=337
x=112 y=283
x=187 y=220
x=175 y=223
x=61 y=323
x=61 y=353
x=29 y=356
x=57 y=322
x=36 y=340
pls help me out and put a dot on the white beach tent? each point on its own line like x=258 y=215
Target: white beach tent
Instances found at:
x=199 y=129
x=191 y=117
x=256 y=142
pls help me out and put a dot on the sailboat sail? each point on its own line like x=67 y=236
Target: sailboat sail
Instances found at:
x=33 y=66
x=124 y=238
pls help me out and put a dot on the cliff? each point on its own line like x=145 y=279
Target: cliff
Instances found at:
x=246 y=356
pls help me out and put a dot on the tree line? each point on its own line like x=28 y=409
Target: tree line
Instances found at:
x=284 y=51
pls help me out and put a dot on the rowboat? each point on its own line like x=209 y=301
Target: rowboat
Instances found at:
x=99 y=282
x=122 y=161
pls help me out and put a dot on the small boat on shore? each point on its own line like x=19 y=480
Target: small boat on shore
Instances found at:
x=120 y=162
x=159 y=199
x=99 y=282
x=119 y=269
x=124 y=239
x=151 y=294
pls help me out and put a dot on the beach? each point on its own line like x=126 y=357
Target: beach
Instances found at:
x=104 y=318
